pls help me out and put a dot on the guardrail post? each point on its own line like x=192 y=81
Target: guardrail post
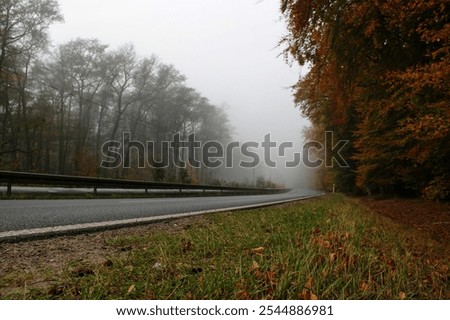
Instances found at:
x=95 y=190
x=9 y=189
x=146 y=190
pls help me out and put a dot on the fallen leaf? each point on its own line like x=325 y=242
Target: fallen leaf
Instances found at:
x=129 y=268
x=332 y=257
x=259 y=274
x=271 y=276
x=402 y=295
x=364 y=286
x=309 y=283
x=131 y=288
x=189 y=296
x=243 y=295
x=307 y=294
x=255 y=266
x=258 y=251
x=316 y=230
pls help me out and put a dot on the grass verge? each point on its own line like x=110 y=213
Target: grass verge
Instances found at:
x=329 y=248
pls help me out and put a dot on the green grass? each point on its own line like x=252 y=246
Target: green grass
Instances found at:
x=330 y=248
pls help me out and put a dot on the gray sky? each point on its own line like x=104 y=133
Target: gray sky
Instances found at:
x=227 y=49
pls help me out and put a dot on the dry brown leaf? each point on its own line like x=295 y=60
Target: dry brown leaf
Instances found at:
x=304 y=295
x=332 y=257
x=189 y=296
x=364 y=286
x=259 y=274
x=129 y=268
x=243 y=295
x=255 y=266
x=131 y=288
x=309 y=283
x=402 y=295
x=259 y=250
x=271 y=276
x=307 y=294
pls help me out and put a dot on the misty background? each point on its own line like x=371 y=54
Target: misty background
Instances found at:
x=227 y=50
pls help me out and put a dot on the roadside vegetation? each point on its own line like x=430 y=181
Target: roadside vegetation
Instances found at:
x=328 y=248
x=378 y=77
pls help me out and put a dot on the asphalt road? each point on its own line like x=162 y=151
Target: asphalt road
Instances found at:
x=36 y=217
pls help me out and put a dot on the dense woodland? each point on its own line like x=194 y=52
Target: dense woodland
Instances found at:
x=380 y=78
x=59 y=104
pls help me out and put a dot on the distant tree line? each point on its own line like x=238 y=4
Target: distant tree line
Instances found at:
x=58 y=105
x=380 y=78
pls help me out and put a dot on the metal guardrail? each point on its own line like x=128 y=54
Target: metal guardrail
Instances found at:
x=13 y=178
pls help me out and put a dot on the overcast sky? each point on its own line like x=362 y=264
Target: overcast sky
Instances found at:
x=227 y=49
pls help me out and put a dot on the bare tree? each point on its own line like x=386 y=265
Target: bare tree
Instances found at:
x=23 y=32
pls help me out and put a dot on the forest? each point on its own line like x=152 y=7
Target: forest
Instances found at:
x=60 y=104
x=380 y=78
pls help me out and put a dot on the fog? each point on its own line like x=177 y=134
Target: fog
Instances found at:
x=227 y=49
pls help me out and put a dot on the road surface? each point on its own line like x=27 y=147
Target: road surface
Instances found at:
x=30 y=218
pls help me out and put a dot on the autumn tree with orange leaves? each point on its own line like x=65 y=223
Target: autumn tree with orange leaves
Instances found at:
x=379 y=77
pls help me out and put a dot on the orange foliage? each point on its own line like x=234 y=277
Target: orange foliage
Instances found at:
x=380 y=74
